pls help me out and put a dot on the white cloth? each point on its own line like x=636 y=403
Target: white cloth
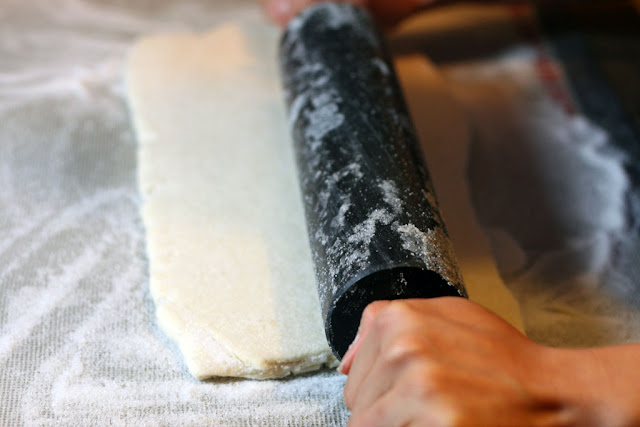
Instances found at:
x=78 y=340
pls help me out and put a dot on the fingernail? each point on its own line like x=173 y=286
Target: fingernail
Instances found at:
x=341 y=369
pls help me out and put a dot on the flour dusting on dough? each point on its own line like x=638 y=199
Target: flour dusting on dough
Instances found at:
x=229 y=261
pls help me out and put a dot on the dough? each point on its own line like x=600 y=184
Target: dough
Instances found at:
x=230 y=267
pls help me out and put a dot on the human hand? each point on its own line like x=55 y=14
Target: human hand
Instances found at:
x=449 y=361
x=388 y=12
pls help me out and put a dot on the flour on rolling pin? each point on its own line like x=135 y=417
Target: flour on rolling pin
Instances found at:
x=374 y=225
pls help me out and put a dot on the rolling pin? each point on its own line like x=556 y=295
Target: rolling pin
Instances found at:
x=373 y=221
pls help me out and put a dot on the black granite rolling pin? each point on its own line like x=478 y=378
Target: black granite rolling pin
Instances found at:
x=372 y=217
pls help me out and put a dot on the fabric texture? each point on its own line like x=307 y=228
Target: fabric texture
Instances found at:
x=79 y=344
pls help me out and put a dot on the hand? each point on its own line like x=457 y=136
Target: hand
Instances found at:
x=388 y=12
x=451 y=362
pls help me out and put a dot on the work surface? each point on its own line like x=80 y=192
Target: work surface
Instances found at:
x=549 y=214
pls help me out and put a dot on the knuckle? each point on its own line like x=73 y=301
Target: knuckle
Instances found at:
x=382 y=322
x=449 y=416
x=452 y=416
x=392 y=314
x=371 y=311
x=375 y=306
x=376 y=415
x=404 y=349
x=440 y=412
x=400 y=308
x=446 y=412
x=428 y=380
x=434 y=377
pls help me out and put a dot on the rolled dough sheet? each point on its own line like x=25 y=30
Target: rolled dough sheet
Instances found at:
x=230 y=267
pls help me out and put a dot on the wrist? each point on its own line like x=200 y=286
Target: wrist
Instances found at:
x=592 y=385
